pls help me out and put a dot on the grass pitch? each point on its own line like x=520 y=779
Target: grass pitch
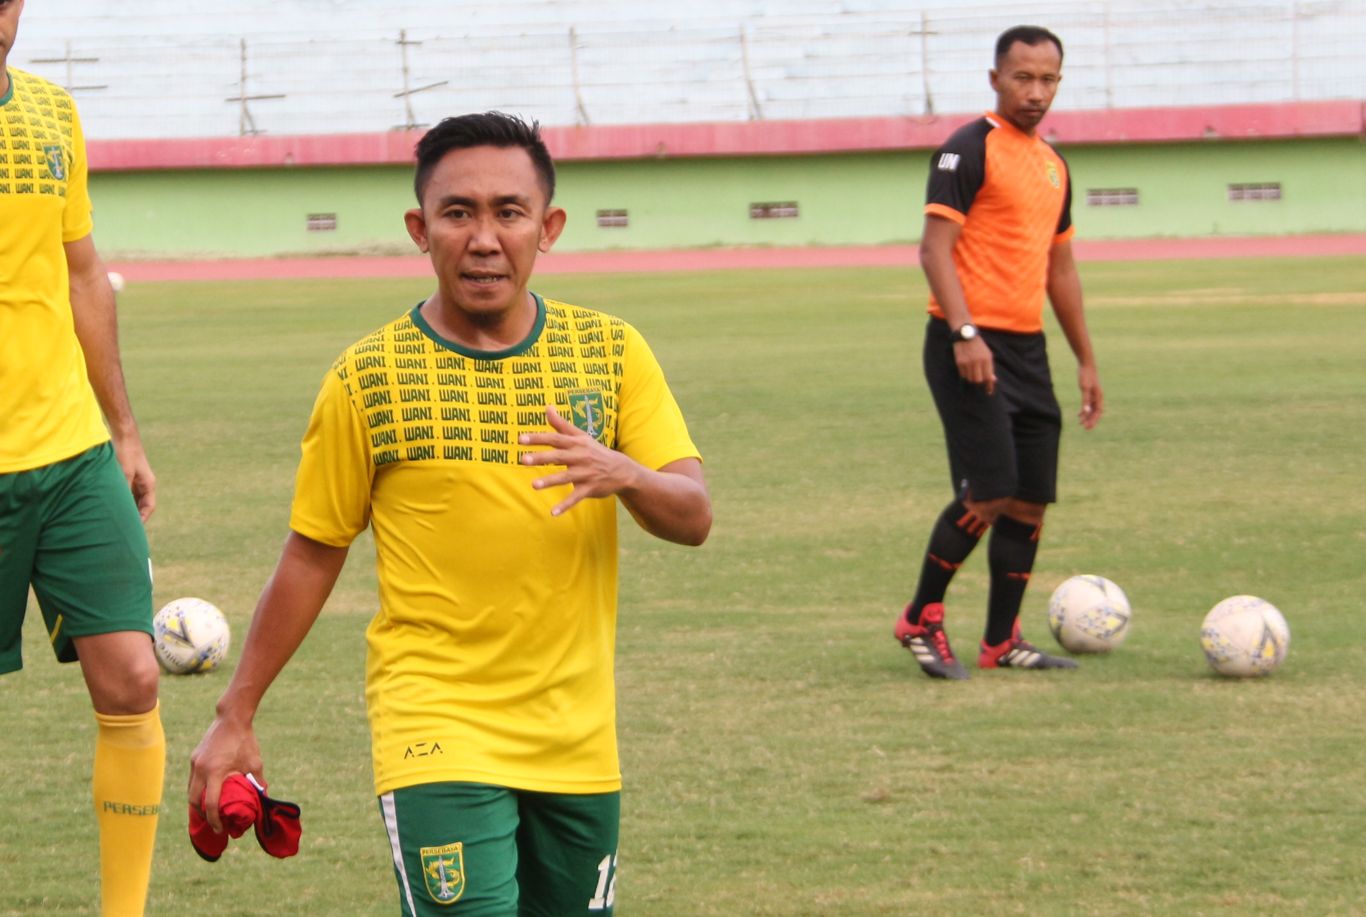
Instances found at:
x=783 y=756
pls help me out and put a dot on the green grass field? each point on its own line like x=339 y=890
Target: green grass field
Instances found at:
x=783 y=756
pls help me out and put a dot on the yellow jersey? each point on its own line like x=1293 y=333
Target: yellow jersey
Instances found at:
x=490 y=659
x=48 y=411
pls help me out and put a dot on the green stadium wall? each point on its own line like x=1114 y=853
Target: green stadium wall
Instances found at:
x=685 y=200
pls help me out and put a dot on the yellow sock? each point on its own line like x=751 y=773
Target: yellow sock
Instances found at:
x=130 y=762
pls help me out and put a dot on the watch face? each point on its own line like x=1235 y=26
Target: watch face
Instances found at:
x=965 y=333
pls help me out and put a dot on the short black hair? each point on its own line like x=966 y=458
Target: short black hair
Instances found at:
x=490 y=128
x=1028 y=34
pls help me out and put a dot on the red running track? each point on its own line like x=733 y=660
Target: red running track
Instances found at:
x=732 y=258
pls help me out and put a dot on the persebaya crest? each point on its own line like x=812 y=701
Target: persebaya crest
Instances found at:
x=588 y=414
x=56 y=164
x=443 y=869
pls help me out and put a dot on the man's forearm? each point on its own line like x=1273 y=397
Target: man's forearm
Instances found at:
x=672 y=503
x=941 y=273
x=289 y=604
x=95 y=316
x=1064 y=292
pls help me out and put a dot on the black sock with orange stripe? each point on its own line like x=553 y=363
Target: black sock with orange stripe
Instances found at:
x=1010 y=557
x=954 y=536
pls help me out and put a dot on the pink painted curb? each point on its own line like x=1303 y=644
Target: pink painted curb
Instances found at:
x=1200 y=123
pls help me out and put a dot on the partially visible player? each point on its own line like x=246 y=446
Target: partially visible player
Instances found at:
x=72 y=504
x=483 y=436
x=998 y=230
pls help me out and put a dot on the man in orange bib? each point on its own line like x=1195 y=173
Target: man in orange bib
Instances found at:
x=997 y=239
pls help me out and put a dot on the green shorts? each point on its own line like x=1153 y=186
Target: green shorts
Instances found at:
x=72 y=531
x=475 y=850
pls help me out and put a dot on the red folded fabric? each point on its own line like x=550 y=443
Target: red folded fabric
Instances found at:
x=278 y=828
x=208 y=843
x=239 y=807
x=277 y=825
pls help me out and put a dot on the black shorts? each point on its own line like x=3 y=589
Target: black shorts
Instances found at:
x=1006 y=444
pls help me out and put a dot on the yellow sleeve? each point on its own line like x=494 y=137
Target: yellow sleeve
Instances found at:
x=332 y=487
x=76 y=219
x=650 y=426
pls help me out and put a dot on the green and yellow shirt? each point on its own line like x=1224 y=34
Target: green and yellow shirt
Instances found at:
x=48 y=411
x=491 y=656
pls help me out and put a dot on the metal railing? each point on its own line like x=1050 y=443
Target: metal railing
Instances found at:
x=581 y=63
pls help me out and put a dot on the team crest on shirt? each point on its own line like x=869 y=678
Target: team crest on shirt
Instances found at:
x=1054 y=178
x=443 y=869
x=56 y=164
x=587 y=412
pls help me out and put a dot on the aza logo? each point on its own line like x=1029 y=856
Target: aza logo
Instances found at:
x=587 y=413
x=443 y=871
x=56 y=164
x=423 y=750
x=1053 y=178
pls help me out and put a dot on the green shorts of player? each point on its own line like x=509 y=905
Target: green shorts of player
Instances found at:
x=71 y=530
x=475 y=850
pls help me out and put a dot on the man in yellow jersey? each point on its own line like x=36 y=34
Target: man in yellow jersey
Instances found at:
x=70 y=500
x=481 y=435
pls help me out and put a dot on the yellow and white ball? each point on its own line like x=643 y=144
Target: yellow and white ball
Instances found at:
x=1089 y=614
x=1244 y=636
x=190 y=636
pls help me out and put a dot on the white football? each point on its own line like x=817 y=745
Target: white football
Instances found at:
x=1245 y=636
x=1089 y=614
x=190 y=635
x=116 y=281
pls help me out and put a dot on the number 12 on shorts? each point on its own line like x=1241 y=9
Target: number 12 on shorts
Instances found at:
x=606 y=892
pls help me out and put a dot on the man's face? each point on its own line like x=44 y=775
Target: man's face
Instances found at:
x=9 y=24
x=1026 y=80
x=483 y=220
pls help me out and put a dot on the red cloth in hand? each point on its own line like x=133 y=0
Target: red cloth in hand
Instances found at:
x=278 y=828
x=239 y=807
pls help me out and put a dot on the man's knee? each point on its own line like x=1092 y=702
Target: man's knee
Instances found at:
x=988 y=510
x=1022 y=510
x=120 y=672
x=1025 y=511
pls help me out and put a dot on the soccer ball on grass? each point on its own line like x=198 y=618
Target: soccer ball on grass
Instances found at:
x=190 y=635
x=1244 y=636
x=1089 y=614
